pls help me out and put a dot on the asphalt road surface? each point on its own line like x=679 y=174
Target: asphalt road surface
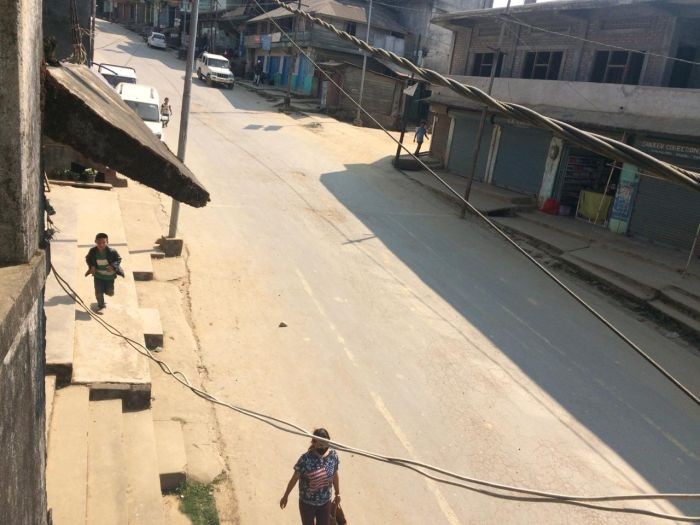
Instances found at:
x=409 y=332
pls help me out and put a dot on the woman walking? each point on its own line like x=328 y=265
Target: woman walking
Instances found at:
x=316 y=471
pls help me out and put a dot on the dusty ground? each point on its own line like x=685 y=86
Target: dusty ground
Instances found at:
x=408 y=332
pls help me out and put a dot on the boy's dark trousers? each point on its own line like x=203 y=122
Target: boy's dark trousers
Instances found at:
x=103 y=287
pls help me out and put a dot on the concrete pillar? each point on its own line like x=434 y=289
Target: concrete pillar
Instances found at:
x=20 y=132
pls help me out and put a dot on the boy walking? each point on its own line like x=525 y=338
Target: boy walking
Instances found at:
x=421 y=133
x=104 y=264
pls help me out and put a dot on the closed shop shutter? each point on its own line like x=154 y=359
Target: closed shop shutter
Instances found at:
x=463 y=140
x=665 y=213
x=522 y=154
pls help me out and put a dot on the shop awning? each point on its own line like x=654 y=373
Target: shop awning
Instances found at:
x=84 y=112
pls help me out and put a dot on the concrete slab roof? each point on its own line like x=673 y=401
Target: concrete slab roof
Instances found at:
x=563 y=7
x=84 y=112
x=381 y=17
x=679 y=128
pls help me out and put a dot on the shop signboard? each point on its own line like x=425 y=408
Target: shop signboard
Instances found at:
x=624 y=199
x=683 y=154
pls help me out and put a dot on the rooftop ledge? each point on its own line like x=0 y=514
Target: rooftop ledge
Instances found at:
x=667 y=110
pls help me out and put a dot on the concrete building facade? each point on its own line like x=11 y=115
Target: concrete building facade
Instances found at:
x=22 y=267
x=625 y=69
x=267 y=43
x=427 y=44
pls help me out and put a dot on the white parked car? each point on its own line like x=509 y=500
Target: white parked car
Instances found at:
x=214 y=69
x=156 y=40
x=117 y=74
x=145 y=102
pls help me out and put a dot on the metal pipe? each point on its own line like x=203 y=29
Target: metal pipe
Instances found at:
x=358 y=119
x=692 y=252
x=403 y=122
x=185 y=111
x=482 y=121
x=91 y=56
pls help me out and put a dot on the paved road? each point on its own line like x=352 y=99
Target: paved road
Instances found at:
x=409 y=332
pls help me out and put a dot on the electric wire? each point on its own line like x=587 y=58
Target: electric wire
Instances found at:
x=457 y=480
x=598 y=143
x=472 y=208
x=406 y=463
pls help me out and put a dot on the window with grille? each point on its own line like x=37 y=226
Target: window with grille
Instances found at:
x=543 y=65
x=617 y=67
x=483 y=62
x=351 y=28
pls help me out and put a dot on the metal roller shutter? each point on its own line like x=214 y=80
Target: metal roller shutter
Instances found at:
x=522 y=154
x=463 y=140
x=665 y=213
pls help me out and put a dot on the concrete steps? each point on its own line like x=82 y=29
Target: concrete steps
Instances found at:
x=106 y=479
x=107 y=363
x=144 y=498
x=104 y=362
x=687 y=303
x=172 y=459
x=102 y=463
x=58 y=306
x=66 y=466
x=152 y=327
x=49 y=395
x=684 y=321
x=141 y=266
x=619 y=283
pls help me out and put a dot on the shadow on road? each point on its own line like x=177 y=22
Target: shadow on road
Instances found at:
x=600 y=381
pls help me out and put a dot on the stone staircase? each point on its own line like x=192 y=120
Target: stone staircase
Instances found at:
x=105 y=464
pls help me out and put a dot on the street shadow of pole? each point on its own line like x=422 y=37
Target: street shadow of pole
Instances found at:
x=568 y=353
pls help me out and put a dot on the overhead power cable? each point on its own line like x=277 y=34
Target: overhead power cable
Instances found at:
x=600 y=144
x=471 y=207
x=424 y=469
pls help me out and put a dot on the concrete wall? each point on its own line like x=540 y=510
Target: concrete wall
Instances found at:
x=22 y=434
x=429 y=44
x=612 y=100
x=57 y=23
x=638 y=27
x=20 y=46
x=22 y=268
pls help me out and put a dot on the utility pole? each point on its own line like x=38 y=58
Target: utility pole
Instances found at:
x=358 y=118
x=295 y=55
x=404 y=100
x=91 y=55
x=185 y=112
x=482 y=121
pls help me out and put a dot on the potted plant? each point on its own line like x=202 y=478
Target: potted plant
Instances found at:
x=90 y=175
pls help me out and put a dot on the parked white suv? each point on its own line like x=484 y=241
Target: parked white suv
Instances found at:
x=214 y=69
x=156 y=40
x=145 y=102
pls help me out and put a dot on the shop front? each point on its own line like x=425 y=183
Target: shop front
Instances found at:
x=521 y=157
x=463 y=137
x=665 y=212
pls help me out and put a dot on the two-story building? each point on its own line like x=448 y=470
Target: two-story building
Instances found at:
x=428 y=44
x=628 y=69
x=267 y=43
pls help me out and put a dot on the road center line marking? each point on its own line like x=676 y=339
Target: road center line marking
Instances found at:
x=432 y=485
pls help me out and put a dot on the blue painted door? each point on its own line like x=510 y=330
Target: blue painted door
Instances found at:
x=273 y=66
x=286 y=64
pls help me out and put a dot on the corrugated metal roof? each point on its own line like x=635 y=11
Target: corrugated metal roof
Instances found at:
x=381 y=17
x=234 y=14
x=85 y=113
